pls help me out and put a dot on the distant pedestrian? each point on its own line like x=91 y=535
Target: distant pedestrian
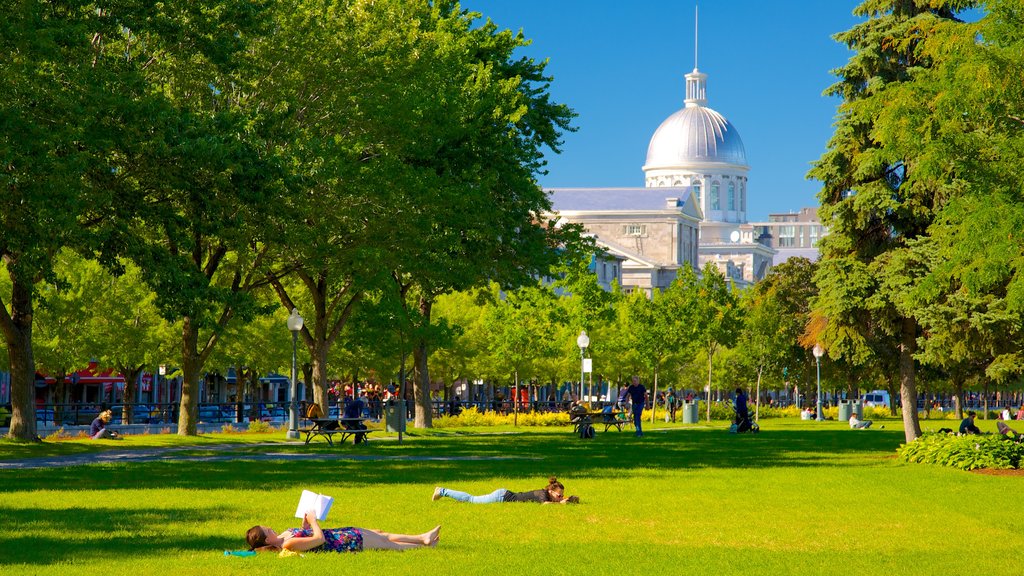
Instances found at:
x=621 y=400
x=670 y=405
x=637 y=395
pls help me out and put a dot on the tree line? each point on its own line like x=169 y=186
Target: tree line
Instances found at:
x=325 y=152
x=373 y=164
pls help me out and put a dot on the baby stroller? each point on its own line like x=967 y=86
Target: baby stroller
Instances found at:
x=742 y=423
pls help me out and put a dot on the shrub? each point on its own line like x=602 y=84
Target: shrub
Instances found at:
x=229 y=429
x=259 y=426
x=964 y=452
x=57 y=435
x=473 y=417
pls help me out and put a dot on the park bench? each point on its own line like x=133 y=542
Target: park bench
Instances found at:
x=327 y=427
x=580 y=420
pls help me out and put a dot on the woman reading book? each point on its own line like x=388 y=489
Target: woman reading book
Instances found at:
x=312 y=538
x=553 y=493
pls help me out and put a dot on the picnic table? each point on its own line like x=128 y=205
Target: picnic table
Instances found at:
x=580 y=420
x=328 y=427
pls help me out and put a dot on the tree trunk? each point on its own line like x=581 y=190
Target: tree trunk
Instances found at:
x=318 y=366
x=908 y=387
x=17 y=330
x=131 y=376
x=984 y=405
x=189 y=404
x=515 y=399
x=711 y=356
x=958 y=398
x=654 y=396
x=757 y=407
x=424 y=414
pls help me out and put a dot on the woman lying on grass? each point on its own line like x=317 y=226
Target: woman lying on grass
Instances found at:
x=311 y=538
x=554 y=493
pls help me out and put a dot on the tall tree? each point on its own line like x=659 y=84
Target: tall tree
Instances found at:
x=875 y=196
x=717 y=317
x=476 y=218
x=77 y=107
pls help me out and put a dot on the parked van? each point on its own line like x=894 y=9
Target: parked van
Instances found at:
x=876 y=398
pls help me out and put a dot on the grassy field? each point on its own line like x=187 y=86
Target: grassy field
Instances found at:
x=800 y=498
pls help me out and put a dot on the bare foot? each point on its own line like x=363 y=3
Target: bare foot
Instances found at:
x=431 y=538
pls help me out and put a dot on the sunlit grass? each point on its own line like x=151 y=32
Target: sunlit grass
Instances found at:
x=800 y=498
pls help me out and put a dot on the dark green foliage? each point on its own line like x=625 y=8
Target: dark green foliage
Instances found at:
x=971 y=452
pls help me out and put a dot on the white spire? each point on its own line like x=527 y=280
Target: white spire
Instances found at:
x=696 y=81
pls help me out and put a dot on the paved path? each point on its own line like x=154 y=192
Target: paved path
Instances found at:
x=160 y=454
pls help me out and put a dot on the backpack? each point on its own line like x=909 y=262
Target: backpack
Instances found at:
x=586 y=431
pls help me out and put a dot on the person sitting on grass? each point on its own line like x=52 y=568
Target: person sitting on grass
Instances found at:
x=554 y=493
x=312 y=538
x=99 y=429
x=858 y=424
x=967 y=426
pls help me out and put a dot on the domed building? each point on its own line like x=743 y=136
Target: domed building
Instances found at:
x=692 y=210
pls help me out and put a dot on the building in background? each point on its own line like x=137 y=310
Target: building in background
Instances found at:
x=692 y=210
x=792 y=234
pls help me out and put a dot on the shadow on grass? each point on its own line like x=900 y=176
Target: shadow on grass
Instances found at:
x=534 y=454
x=85 y=533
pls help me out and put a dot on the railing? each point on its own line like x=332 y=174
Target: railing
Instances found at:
x=274 y=412
x=162 y=413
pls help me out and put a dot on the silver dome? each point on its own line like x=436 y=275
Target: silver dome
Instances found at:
x=695 y=134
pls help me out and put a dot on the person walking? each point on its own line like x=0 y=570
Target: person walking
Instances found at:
x=670 y=405
x=638 y=396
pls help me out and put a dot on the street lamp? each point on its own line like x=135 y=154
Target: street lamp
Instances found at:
x=294 y=325
x=582 y=341
x=818 y=353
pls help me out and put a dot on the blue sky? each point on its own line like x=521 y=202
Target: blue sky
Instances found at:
x=620 y=66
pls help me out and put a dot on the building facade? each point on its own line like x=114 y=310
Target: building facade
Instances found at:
x=692 y=210
x=792 y=234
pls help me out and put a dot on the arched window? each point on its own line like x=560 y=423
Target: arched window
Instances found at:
x=715 y=203
x=696 y=192
x=732 y=196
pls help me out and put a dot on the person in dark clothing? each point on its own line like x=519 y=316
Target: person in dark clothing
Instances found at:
x=354 y=409
x=99 y=428
x=553 y=493
x=455 y=406
x=742 y=413
x=967 y=426
x=638 y=395
x=741 y=404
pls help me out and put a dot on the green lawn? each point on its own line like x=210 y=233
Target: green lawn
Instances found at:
x=800 y=498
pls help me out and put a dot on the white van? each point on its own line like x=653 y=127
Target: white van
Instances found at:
x=876 y=398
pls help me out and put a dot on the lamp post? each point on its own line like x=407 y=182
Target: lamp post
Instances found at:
x=294 y=325
x=818 y=353
x=582 y=341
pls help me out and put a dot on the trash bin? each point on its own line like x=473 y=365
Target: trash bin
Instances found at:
x=845 y=409
x=857 y=407
x=394 y=416
x=690 y=412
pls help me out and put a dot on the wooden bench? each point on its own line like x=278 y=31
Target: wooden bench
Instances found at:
x=345 y=434
x=607 y=419
x=328 y=427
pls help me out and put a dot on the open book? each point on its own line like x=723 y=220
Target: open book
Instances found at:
x=313 y=501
